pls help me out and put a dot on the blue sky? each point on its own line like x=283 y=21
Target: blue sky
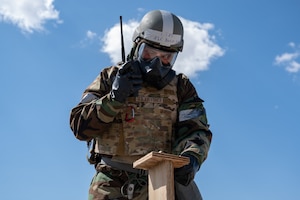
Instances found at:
x=242 y=56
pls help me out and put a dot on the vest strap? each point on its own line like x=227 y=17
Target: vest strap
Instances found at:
x=122 y=166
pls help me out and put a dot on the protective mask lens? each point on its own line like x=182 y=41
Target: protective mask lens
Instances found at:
x=147 y=53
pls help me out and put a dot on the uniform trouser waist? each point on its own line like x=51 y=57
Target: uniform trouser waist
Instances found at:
x=122 y=166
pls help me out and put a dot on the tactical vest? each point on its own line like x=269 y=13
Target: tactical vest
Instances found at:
x=144 y=124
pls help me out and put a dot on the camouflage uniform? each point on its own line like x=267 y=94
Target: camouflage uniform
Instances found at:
x=172 y=120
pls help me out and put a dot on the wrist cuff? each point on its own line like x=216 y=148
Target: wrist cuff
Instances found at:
x=107 y=109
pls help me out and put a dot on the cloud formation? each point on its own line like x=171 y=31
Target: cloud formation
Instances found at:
x=90 y=38
x=28 y=15
x=289 y=60
x=200 y=48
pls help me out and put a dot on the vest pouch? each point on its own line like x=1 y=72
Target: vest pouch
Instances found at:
x=150 y=130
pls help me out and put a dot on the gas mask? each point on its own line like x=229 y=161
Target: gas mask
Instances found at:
x=156 y=65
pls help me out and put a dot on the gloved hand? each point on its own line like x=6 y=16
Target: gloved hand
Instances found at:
x=184 y=175
x=128 y=81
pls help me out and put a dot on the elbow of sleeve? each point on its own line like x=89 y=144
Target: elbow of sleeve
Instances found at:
x=82 y=137
x=79 y=134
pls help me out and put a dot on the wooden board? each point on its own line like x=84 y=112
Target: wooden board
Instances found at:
x=160 y=168
x=154 y=158
x=161 y=181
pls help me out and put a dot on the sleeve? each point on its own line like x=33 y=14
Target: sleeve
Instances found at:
x=192 y=134
x=96 y=110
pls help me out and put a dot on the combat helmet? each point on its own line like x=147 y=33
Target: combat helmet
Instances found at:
x=161 y=29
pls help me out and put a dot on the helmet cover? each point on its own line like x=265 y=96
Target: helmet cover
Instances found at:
x=161 y=28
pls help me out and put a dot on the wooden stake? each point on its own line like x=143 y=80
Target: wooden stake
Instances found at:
x=160 y=168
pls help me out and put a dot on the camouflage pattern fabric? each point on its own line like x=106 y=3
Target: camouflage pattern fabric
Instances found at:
x=144 y=123
x=93 y=118
x=109 y=183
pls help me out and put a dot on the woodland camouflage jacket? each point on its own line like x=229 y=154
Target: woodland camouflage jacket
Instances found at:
x=189 y=131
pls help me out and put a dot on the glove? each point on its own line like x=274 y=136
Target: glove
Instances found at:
x=184 y=175
x=128 y=81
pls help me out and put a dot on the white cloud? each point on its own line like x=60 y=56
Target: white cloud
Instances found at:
x=289 y=60
x=28 y=15
x=293 y=67
x=199 y=48
x=286 y=57
x=112 y=40
x=292 y=44
x=89 y=39
x=90 y=35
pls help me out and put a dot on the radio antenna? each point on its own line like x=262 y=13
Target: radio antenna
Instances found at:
x=122 y=41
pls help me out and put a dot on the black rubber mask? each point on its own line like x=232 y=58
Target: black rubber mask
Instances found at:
x=155 y=73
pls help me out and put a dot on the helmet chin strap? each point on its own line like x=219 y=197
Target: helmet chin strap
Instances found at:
x=155 y=74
